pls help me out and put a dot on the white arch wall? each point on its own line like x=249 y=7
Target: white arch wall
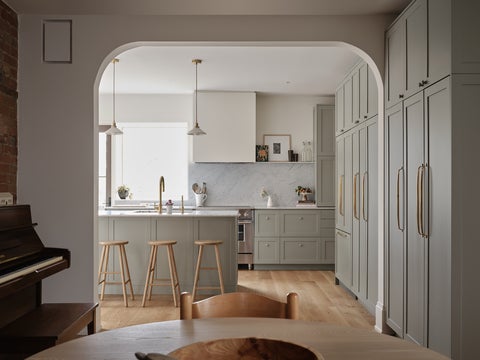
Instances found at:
x=57 y=113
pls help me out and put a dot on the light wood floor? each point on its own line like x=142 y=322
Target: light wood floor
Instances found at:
x=320 y=300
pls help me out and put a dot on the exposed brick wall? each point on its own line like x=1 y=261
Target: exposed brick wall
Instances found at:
x=8 y=99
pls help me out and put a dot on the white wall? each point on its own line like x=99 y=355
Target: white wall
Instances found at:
x=145 y=108
x=58 y=111
x=288 y=114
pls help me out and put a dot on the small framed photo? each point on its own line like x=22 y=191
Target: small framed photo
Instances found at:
x=262 y=153
x=278 y=146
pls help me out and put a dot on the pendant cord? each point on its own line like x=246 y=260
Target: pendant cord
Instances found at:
x=196 y=93
x=114 y=61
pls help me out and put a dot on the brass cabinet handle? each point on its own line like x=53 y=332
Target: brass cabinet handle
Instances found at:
x=422 y=177
x=419 y=205
x=355 y=212
x=340 y=196
x=365 y=176
x=401 y=228
x=341 y=234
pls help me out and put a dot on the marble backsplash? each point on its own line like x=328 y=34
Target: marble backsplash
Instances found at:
x=232 y=184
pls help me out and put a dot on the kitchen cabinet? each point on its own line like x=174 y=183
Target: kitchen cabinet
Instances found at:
x=418 y=195
x=343 y=186
x=365 y=220
x=339 y=110
x=294 y=236
x=343 y=258
x=229 y=119
x=417 y=49
x=324 y=132
x=139 y=230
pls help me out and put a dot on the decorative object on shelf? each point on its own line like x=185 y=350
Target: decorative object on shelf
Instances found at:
x=278 y=146
x=307 y=153
x=114 y=130
x=196 y=129
x=303 y=193
x=169 y=206
x=262 y=153
x=123 y=191
x=265 y=194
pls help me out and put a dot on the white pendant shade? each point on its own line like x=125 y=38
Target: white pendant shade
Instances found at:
x=114 y=130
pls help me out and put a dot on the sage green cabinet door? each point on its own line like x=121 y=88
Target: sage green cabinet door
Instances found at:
x=438 y=122
x=372 y=95
x=440 y=40
x=340 y=184
x=416 y=22
x=300 y=223
x=137 y=232
x=395 y=64
x=325 y=130
x=299 y=251
x=395 y=218
x=325 y=181
x=415 y=243
x=181 y=230
x=267 y=251
x=343 y=258
x=348 y=103
x=224 y=229
x=267 y=223
x=328 y=250
x=339 y=111
x=356 y=96
x=356 y=196
x=369 y=210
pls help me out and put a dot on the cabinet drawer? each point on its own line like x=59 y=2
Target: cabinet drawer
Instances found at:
x=266 y=223
x=300 y=223
x=266 y=251
x=295 y=251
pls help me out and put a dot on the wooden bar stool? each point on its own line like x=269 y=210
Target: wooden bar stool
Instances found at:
x=152 y=281
x=201 y=244
x=124 y=270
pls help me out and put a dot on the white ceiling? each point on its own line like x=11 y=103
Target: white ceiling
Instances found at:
x=209 y=7
x=266 y=69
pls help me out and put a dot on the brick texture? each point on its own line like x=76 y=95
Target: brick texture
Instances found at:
x=8 y=99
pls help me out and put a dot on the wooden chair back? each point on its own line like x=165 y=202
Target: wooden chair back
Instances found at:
x=238 y=304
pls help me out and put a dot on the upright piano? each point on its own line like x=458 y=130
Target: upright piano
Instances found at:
x=26 y=324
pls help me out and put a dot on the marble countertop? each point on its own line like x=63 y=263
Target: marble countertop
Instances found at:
x=175 y=213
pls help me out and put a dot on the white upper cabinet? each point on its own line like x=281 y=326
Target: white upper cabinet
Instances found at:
x=229 y=119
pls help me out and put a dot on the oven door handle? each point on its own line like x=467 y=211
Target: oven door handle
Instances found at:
x=244 y=222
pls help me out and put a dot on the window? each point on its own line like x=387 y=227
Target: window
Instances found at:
x=145 y=152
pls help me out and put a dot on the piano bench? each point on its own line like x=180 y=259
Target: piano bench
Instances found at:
x=44 y=327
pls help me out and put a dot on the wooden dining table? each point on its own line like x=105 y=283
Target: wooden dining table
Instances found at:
x=331 y=341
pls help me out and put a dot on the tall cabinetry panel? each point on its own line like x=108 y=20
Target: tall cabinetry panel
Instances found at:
x=418 y=221
x=356 y=184
x=395 y=223
x=395 y=64
x=324 y=130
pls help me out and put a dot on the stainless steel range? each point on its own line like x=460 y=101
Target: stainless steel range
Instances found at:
x=245 y=237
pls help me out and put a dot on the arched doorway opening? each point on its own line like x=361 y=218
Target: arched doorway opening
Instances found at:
x=362 y=54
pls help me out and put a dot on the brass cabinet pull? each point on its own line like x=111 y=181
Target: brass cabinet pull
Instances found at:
x=341 y=234
x=419 y=206
x=355 y=212
x=401 y=228
x=422 y=173
x=340 y=196
x=365 y=176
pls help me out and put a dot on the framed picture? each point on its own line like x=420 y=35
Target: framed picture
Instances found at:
x=262 y=153
x=278 y=146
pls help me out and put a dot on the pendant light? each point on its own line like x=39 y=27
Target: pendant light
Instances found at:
x=114 y=130
x=196 y=129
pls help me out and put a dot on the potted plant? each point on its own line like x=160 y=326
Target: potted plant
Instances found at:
x=123 y=191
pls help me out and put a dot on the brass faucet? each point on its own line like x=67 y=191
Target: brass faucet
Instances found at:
x=161 y=189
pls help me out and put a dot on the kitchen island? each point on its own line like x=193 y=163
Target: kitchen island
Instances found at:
x=138 y=227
